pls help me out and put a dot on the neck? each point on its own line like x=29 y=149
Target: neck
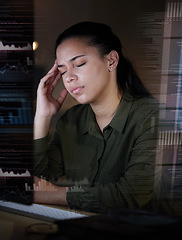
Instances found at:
x=106 y=110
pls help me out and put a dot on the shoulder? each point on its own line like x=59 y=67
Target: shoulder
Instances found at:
x=142 y=109
x=143 y=114
x=143 y=105
x=146 y=103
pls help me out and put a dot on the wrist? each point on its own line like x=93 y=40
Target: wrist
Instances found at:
x=39 y=117
x=41 y=126
x=54 y=195
x=61 y=196
x=49 y=193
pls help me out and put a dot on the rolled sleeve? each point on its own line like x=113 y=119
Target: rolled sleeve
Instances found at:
x=40 y=161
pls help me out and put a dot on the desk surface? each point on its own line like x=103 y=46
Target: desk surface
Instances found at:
x=13 y=226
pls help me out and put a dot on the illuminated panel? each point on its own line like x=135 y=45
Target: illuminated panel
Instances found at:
x=150 y=38
x=170 y=134
x=16 y=113
x=160 y=64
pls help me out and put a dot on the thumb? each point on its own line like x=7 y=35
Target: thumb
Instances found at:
x=62 y=96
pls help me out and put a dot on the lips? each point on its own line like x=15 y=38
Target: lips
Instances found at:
x=76 y=90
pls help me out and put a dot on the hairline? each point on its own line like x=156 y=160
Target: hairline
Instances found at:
x=86 y=38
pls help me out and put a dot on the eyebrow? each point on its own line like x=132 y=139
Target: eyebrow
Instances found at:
x=72 y=59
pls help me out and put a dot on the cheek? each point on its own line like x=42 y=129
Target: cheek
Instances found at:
x=95 y=73
x=100 y=75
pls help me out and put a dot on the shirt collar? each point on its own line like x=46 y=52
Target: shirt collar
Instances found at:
x=118 y=122
x=90 y=124
x=121 y=116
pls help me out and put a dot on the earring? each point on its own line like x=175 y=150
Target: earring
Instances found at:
x=110 y=68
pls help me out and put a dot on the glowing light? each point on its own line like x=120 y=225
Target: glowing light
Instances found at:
x=35 y=45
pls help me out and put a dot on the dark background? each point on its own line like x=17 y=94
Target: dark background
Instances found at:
x=54 y=16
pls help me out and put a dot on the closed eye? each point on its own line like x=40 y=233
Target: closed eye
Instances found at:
x=80 y=65
x=63 y=73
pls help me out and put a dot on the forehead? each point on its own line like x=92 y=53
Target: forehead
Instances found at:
x=72 y=47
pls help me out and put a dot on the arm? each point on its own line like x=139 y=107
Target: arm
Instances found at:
x=47 y=105
x=134 y=189
x=48 y=193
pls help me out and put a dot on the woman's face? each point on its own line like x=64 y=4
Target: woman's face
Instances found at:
x=85 y=74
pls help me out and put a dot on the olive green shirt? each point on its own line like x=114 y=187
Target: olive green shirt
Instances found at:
x=112 y=170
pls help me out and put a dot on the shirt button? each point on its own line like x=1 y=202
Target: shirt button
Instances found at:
x=107 y=133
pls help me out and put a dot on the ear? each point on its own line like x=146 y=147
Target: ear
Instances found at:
x=113 y=59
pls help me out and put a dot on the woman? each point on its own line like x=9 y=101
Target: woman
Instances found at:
x=101 y=155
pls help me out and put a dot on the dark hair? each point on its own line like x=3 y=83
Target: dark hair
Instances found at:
x=101 y=36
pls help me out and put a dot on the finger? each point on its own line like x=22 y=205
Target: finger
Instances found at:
x=62 y=96
x=49 y=81
x=54 y=67
x=52 y=84
x=56 y=79
x=46 y=78
x=49 y=76
x=53 y=78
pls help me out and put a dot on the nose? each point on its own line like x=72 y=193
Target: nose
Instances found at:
x=70 y=76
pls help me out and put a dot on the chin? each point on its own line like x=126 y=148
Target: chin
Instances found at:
x=82 y=100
